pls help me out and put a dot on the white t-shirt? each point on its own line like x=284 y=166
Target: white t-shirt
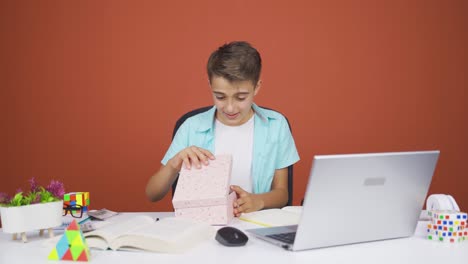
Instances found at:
x=237 y=141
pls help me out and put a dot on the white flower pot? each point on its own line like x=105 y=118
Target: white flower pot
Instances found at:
x=21 y=219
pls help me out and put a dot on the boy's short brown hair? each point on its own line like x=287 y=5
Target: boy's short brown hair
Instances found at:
x=235 y=61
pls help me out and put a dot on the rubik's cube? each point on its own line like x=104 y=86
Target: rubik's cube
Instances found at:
x=77 y=198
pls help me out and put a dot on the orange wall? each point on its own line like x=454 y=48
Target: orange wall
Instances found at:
x=90 y=90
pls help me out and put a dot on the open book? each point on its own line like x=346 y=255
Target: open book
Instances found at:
x=170 y=235
x=288 y=215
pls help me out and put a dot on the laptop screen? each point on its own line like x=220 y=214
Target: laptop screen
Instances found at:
x=355 y=198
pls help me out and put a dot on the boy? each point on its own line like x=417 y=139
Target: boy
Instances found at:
x=258 y=139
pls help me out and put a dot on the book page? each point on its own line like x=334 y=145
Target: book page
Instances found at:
x=167 y=235
x=293 y=209
x=97 y=242
x=106 y=234
x=271 y=217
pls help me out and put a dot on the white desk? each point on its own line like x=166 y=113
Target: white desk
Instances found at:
x=416 y=249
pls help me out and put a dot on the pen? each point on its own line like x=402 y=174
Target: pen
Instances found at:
x=84 y=220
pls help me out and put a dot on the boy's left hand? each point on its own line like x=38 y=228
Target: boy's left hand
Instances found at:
x=246 y=202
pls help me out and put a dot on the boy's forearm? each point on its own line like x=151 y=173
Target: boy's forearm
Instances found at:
x=276 y=198
x=160 y=183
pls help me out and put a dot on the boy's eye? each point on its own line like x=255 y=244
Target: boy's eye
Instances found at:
x=241 y=98
x=219 y=97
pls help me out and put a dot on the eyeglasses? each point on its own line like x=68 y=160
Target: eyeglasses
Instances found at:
x=75 y=210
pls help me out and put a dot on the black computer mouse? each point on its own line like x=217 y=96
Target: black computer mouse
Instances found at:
x=231 y=237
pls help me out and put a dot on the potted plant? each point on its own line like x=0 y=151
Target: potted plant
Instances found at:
x=39 y=209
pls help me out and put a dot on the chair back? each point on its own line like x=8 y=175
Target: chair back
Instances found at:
x=191 y=113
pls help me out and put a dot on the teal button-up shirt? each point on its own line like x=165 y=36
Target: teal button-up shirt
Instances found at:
x=273 y=146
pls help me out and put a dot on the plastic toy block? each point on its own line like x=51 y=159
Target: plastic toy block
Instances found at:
x=71 y=246
x=77 y=199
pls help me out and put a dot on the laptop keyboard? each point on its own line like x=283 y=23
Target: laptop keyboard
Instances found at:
x=284 y=237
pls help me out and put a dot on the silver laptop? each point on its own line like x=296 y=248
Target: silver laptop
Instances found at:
x=357 y=198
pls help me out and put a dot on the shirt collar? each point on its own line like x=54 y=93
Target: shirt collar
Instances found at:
x=263 y=113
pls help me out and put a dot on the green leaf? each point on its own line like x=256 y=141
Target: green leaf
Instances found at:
x=16 y=201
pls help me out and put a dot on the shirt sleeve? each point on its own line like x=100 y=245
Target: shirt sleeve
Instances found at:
x=179 y=142
x=287 y=152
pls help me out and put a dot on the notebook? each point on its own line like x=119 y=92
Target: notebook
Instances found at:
x=354 y=198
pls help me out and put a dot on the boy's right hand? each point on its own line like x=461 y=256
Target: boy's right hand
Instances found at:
x=191 y=155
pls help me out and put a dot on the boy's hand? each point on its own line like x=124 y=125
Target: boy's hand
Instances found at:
x=191 y=156
x=246 y=202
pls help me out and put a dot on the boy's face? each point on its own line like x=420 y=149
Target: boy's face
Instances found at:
x=233 y=100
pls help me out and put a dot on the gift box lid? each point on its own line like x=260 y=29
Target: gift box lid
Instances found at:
x=206 y=186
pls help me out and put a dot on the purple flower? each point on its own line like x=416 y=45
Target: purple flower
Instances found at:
x=4 y=198
x=34 y=186
x=56 y=188
x=19 y=190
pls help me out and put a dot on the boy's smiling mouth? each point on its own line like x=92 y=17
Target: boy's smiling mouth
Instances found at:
x=231 y=116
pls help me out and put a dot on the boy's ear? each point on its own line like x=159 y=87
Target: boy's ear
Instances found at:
x=257 y=87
